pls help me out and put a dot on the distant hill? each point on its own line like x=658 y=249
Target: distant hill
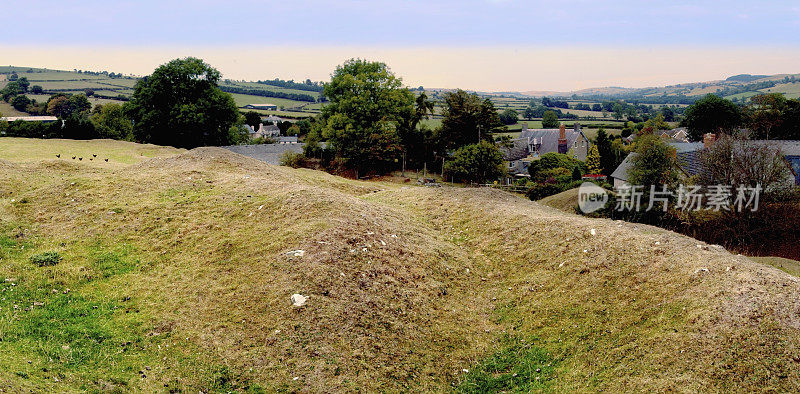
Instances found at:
x=735 y=87
x=745 y=78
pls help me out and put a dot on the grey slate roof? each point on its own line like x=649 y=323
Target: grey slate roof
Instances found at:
x=549 y=138
x=621 y=172
x=517 y=151
x=269 y=153
x=689 y=160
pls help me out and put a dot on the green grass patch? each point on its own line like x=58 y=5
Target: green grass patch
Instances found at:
x=519 y=366
x=46 y=259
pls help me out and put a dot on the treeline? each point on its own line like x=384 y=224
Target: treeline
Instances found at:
x=269 y=93
x=291 y=84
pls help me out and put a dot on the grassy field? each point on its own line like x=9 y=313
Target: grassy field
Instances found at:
x=790 y=266
x=175 y=274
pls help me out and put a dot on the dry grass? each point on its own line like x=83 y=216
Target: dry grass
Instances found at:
x=407 y=286
x=566 y=201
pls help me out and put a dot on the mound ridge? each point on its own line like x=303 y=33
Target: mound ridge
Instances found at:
x=408 y=286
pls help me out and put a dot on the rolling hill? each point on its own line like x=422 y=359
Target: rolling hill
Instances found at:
x=737 y=86
x=173 y=271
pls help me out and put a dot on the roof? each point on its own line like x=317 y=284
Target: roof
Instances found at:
x=30 y=118
x=269 y=153
x=689 y=160
x=517 y=151
x=549 y=138
x=621 y=172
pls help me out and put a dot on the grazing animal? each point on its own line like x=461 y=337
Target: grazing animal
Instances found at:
x=106 y=160
x=90 y=159
x=58 y=155
x=80 y=158
x=94 y=155
x=73 y=157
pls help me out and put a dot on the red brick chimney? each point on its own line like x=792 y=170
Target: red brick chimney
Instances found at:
x=562 y=139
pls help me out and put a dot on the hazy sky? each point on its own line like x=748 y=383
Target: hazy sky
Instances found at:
x=476 y=44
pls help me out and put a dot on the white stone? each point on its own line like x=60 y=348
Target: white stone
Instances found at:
x=296 y=253
x=593 y=232
x=298 y=300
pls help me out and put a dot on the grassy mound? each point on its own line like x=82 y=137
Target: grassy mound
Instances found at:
x=176 y=274
x=566 y=201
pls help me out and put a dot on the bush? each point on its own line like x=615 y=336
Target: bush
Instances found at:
x=293 y=159
x=46 y=259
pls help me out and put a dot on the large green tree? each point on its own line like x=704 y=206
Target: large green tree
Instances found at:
x=367 y=102
x=476 y=163
x=711 y=114
x=181 y=105
x=110 y=122
x=549 y=120
x=467 y=120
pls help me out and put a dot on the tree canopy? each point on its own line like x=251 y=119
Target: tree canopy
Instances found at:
x=711 y=114
x=366 y=104
x=476 y=163
x=181 y=105
x=467 y=120
x=549 y=120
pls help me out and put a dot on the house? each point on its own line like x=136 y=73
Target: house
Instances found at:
x=268 y=107
x=532 y=143
x=675 y=135
x=688 y=158
x=43 y=119
x=287 y=140
x=263 y=131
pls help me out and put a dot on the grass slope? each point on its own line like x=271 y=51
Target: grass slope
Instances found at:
x=174 y=275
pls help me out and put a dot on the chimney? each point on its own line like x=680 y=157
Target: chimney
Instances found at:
x=577 y=127
x=709 y=139
x=562 y=139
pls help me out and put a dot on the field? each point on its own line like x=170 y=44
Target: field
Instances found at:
x=55 y=81
x=175 y=274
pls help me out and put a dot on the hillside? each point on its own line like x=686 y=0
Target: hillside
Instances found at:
x=176 y=273
x=112 y=87
x=737 y=86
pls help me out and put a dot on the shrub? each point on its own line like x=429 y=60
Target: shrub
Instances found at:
x=46 y=259
x=293 y=159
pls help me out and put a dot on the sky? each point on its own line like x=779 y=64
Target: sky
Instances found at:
x=488 y=45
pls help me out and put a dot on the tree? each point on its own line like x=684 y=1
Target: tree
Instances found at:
x=414 y=136
x=20 y=103
x=711 y=114
x=181 y=105
x=509 y=117
x=653 y=163
x=608 y=158
x=736 y=160
x=467 y=120
x=62 y=105
x=476 y=163
x=23 y=84
x=593 y=161
x=37 y=89
x=552 y=160
x=765 y=114
x=366 y=103
x=668 y=113
x=110 y=122
x=252 y=118
x=12 y=89
x=618 y=111
x=654 y=124
x=549 y=120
